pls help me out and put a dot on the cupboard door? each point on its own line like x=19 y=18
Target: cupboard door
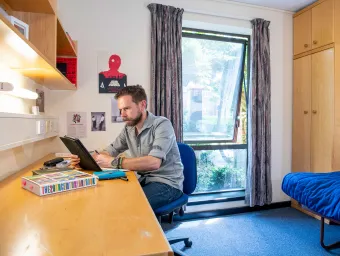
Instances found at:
x=323 y=24
x=303 y=32
x=301 y=114
x=322 y=111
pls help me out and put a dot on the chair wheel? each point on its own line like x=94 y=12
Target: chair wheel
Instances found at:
x=181 y=212
x=188 y=243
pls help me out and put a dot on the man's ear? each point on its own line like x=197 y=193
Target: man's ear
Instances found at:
x=143 y=104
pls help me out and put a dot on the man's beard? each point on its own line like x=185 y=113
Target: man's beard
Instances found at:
x=133 y=122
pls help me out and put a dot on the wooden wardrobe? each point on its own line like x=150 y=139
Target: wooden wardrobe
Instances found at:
x=316 y=93
x=316 y=88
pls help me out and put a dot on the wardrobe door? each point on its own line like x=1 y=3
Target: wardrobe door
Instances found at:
x=322 y=111
x=301 y=114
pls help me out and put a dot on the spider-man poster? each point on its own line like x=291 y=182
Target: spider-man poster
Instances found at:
x=110 y=79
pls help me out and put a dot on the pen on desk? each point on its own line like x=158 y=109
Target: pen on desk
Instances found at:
x=124 y=178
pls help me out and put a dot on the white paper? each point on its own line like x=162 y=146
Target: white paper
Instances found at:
x=76 y=124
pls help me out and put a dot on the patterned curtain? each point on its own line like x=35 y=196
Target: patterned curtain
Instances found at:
x=259 y=186
x=166 y=65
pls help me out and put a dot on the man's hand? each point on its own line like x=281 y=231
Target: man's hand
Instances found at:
x=75 y=160
x=103 y=160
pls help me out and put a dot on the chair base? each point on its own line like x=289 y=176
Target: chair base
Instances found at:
x=186 y=241
x=178 y=252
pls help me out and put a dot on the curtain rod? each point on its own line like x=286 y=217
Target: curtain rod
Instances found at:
x=217 y=15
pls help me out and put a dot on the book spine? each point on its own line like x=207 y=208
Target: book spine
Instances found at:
x=67 y=185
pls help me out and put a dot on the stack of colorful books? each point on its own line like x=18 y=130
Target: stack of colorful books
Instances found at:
x=51 y=183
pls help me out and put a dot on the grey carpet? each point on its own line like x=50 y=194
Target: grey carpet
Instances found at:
x=283 y=231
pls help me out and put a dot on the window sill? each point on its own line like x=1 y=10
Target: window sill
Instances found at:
x=212 y=198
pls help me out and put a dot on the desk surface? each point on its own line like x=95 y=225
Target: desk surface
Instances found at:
x=113 y=218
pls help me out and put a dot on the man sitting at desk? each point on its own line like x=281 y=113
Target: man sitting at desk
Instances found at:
x=152 y=145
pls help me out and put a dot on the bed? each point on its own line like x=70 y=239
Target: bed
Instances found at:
x=319 y=193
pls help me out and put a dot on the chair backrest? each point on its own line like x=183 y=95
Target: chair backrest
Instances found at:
x=188 y=158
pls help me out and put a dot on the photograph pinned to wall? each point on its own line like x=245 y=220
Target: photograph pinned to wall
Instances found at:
x=98 y=121
x=110 y=79
x=40 y=101
x=115 y=113
x=76 y=124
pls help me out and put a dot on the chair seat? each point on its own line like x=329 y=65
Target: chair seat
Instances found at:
x=166 y=209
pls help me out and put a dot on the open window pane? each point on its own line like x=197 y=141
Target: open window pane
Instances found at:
x=212 y=79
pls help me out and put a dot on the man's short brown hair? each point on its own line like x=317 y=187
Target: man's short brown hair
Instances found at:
x=137 y=93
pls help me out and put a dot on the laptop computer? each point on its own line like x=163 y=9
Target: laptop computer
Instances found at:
x=75 y=146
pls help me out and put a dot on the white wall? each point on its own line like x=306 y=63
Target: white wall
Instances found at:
x=12 y=160
x=123 y=27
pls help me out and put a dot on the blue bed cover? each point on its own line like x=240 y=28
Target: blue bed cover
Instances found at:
x=320 y=192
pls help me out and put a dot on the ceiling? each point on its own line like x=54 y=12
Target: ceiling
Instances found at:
x=287 y=5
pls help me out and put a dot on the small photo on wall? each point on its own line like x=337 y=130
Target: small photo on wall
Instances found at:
x=98 y=121
x=115 y=113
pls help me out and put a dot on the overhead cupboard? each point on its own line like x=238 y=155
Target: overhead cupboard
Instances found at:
x=36 y=56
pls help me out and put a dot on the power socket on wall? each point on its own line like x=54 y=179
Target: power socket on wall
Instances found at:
x=40 y=127
x=46 y=126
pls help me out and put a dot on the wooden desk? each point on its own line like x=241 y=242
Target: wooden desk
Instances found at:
x=113 y=218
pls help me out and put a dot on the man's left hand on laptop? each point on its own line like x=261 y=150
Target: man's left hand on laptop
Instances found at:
x=74 y=161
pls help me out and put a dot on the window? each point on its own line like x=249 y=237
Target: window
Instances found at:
x=215 y=78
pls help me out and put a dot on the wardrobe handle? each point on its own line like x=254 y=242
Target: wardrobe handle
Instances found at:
x=315 y=42
x=305 y=112
x=314 y=111
x=306 y=45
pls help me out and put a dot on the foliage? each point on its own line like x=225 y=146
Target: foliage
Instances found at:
x=210 y=64
x=212 y=178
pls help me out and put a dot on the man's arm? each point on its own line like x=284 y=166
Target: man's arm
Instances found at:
x=118 y=146
x=144 y=163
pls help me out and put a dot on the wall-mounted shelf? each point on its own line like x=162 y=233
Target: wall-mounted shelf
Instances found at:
x=21 y=55
x=10 y=124
x=64 y=45
x=38 y=6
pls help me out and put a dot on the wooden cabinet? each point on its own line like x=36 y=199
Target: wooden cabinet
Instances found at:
x=302 y=93
x=323 y=24
x=35 y=57
x=303 y=32
x=316 y=26
x=316 y=90
x=313 y=112
x=322 y=116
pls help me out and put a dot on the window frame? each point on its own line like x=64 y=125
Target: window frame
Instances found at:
x=225 y=144
x=230 y=37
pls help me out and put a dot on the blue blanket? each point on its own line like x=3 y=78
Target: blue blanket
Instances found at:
x=320 y=192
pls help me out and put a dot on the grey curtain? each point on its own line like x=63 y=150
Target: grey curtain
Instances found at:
x=259 y=186
x=166 y=65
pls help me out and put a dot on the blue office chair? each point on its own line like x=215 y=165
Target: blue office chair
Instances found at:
x=190 y=179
